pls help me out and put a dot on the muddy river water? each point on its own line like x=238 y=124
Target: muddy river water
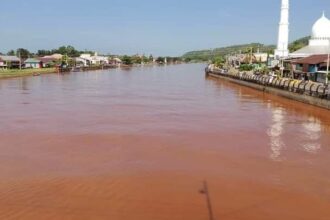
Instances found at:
x=136 y=144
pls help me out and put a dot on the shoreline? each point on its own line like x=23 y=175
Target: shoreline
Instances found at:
x=7 y=74
x=16 y=73
x=292 y=91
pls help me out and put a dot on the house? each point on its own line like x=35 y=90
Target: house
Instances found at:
x=260 y=57
x=48 y=61
x=313 y=66
x=10 y=62
x=88 y=59
x=2 y=63
x=33 y=63
x=115 y=61
x=80 y=61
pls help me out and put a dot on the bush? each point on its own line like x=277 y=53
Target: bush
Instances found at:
x=246 y=67
x=127 y=60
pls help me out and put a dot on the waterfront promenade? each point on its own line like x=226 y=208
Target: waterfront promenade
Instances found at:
x=137 y=144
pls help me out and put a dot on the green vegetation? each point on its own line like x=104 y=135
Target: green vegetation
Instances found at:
x=160 y=60
x=219 y=61
x=298 y=44
x=23 y=53
x=24 y=72
x=127 y=60
x=68 y=50
x=136 y=59
x=206 y=55
x=64 y=50
x=246 y=67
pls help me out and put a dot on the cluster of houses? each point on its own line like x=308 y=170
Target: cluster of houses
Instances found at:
x=249 y=58
x=85 y=60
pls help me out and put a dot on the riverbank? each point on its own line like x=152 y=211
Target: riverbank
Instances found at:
x=14 y=73
x=4 y=74
x=302 y=91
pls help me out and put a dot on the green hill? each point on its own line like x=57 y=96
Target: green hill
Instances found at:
x=298 y=44
x=205 y=55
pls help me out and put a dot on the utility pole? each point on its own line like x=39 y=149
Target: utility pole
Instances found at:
x=328 y=64
x=20 y=60
x=205 y=191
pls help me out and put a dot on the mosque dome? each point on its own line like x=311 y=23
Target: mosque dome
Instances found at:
x=321 y=28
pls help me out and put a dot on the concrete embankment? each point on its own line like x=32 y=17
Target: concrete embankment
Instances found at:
x=307 y=92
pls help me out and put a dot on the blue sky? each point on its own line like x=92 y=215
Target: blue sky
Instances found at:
x=169 y=27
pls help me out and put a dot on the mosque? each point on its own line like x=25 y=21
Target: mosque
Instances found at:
x=320 y=40
x=319 y=44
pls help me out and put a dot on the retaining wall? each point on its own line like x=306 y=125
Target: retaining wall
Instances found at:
x=303 y=91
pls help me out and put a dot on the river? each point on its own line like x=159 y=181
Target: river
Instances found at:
x=137 y=144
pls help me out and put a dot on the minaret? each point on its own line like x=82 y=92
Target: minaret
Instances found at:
x=282 y=50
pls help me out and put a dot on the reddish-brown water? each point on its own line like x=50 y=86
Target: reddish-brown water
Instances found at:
x=137 y=144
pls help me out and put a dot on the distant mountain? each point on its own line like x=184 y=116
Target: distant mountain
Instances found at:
x=205 y=55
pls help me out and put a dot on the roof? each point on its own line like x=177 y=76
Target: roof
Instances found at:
x=310 y=50
x=117 y=59
x=315 y=59
x=47 y=59
x=32 y=60
x=321 y=28
x=55 y=56
x=9 y=58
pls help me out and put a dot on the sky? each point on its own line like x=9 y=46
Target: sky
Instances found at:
x=170 y=27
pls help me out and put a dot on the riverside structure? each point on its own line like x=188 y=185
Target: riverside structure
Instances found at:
x=308 y=92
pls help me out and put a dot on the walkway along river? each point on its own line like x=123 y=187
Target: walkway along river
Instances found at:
x=137 y=144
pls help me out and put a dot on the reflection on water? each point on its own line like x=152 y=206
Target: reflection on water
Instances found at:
x=275 y=133
x=312 y=132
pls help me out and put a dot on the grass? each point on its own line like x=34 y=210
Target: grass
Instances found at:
x=24 y=72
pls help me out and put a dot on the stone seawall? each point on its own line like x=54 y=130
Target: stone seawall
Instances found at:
x=306 y=92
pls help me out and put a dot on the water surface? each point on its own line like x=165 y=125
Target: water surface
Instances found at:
x=136 y=144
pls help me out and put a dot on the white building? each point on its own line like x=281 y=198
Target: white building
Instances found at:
x=320 y=41
x=88 y=59
x=282 y=50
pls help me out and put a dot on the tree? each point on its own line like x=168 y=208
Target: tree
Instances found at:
x=67 y=50
x=137 y=59
x=219 y=61
x=11 y=53
x=160 y=60
x=127 y=60
x=42 y=53
x=23 y=53
x=151 y=58
x=146 y=59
